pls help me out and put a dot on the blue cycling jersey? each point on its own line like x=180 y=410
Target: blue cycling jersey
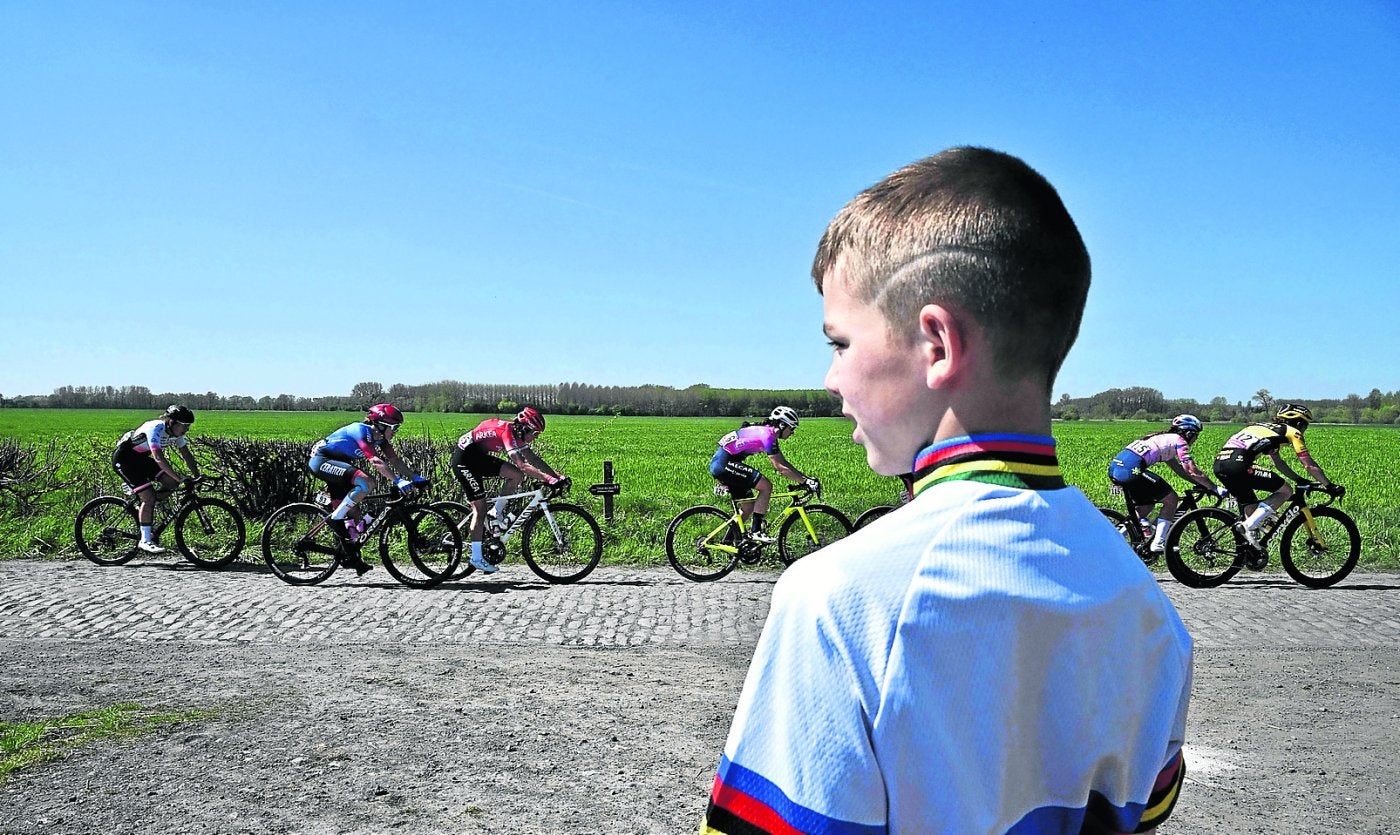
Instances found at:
x=351 y=442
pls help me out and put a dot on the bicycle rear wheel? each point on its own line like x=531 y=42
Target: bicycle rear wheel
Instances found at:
x=562 y=544
x=1202 y=550
x=1323 y=560
x=810 y=528
x=298 y=545
x=461 y=515
x=106 y=530
x=872 y=514
x=690 y=541
x=1134 y=539
x=209 y=532
x=420 y=546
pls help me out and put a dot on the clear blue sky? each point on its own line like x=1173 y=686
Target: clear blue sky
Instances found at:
x=257 y=198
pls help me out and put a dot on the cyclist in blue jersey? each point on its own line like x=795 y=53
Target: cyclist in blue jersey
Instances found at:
x=339 y=459
x=140 y=460
x=728 y=467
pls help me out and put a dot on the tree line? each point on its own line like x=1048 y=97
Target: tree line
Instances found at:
x=700 y=400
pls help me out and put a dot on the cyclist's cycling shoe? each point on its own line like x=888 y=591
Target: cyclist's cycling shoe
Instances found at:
x=150 y=547
x=480 y=564
x=761 y=538
x=353 y=560
x=1248 y=536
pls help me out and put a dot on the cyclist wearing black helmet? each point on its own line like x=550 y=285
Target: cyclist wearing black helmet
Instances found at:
x=472 y=461
x=140 y=460
x=728 y=467
x=337 y=460
x=1235 y=468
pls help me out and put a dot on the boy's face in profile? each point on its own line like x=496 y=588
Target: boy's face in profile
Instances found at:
x=880 y=377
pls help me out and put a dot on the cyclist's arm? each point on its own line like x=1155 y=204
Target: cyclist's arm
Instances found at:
x=1306 y=459
x=164 y=463
x=390 y=464
x=1188 y=470
x=189 y=461
x=788 y=471
x=1284 y=468
x=533 y=466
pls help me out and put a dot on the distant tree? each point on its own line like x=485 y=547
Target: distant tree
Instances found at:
x=365 y=395
x=1266 y=400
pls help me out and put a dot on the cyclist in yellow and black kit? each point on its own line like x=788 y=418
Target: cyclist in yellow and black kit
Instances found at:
x=1235 y=468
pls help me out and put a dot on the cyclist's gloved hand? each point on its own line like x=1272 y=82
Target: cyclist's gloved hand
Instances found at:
x=1222 y=492
x=1336 y=490
x=405 y=485
x=812 y=484
x=419 y=481
x=561 y=486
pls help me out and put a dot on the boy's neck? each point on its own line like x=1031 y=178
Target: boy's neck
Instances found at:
x=1022 y=409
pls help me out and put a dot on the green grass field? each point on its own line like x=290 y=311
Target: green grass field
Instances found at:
x=661 y=465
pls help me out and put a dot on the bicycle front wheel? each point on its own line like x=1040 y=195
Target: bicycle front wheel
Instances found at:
x=107 y=531
x=811 y=527
x=420 y=546
x=209 y=532
x=562 y=544
x=298 y=545
x=1322 y=559
x=1202 y=551
x=690 y=542
x=872 y=514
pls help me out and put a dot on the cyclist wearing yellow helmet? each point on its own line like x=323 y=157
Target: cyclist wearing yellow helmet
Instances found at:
x=1235 y=468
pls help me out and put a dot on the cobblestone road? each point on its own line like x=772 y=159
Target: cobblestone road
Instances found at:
x=159 y=601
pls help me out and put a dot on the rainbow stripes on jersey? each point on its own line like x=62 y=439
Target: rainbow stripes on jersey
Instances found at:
x=743 y=802
x=1023 y=461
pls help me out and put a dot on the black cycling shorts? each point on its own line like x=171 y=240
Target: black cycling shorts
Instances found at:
x=470 y=466
x=1145 y=488
x=137 y=469
x=739 y=477
x=1236 y=473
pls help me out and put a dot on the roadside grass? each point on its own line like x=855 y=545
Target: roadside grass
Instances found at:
x=26 y=744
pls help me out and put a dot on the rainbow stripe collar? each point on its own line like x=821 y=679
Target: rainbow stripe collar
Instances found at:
x=1024 y=461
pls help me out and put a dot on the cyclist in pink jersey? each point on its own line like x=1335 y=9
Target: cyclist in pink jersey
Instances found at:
x=1131 y=470
x=729 y=469
x=472 y=461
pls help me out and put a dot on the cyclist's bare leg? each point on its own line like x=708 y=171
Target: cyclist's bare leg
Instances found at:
x=513 y=478
x=1170 y=503
x=1269 y=506
x=478 y=525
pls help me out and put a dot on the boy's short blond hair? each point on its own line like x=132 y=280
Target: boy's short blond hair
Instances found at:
x=973 y=229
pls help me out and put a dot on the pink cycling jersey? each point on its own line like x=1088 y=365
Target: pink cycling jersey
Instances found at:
x=494 y=435
x=1163 y=446
x=744 y=442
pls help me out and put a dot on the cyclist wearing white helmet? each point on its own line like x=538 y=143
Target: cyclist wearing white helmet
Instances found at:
x=472 y=461
x=1131 y=470
x=1234 y=466
x=729 y=469
x=339 y=460
x=140 y=460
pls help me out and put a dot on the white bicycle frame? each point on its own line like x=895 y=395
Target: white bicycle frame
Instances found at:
x=537 y=502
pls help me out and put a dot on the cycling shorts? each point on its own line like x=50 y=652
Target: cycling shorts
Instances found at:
x=338 y=475
x=470 y=466
x=137 y=469
x=739 y=477
x=1145 y=488
x=1236 y=473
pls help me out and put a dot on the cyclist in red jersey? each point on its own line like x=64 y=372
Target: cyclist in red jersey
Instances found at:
x=472 y=461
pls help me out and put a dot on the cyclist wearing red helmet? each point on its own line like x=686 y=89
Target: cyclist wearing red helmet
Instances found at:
x=140 y=460
x=337 y=460
x=472 y=461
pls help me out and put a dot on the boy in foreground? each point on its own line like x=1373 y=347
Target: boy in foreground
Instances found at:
x=992 y=658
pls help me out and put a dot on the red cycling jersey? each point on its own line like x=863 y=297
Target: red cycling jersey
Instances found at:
x=494 y=435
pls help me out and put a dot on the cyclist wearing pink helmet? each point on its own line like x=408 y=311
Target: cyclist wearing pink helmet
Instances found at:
x=338 y=460
x=472 y=461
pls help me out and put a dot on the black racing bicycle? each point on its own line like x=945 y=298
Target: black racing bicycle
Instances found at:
x=1138 y=532
x=1318 y=544
x=418 y=544
x=209 y=531
x=704 y=543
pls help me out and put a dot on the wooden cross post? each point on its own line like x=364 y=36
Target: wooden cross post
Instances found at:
x=607 y=488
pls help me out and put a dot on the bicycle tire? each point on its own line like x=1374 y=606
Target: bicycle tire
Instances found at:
x=570 y=556
x=461 y=514
x=1135 y=540
x=1316 y=565
x=210 y=532
x=872 y=514
x=685 y=544
x=295 y=550
x=1202 y=548
x=795 y=541
x=420 y=546
x=107 y=531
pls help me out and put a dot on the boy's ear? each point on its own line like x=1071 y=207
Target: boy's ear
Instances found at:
x=943 y=343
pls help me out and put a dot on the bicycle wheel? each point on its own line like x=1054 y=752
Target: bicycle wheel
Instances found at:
x=689 y=539
x=1321 y=561
x=107 y=531
x=1125 y=530
x=797 y=538
x=209 y=532
x=872 y=514
x=1202 y=551
x=461 y=514
x=420 y=546
x=298 y=546
x=562 y=544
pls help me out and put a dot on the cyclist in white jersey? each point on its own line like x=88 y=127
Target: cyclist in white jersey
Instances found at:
x=140 y=460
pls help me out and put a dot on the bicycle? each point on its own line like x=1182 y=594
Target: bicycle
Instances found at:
x=209 y=532
x=1319 y=544
x=419 y=545
x=561 y=542
x=1137 y=531
x=704 y=543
